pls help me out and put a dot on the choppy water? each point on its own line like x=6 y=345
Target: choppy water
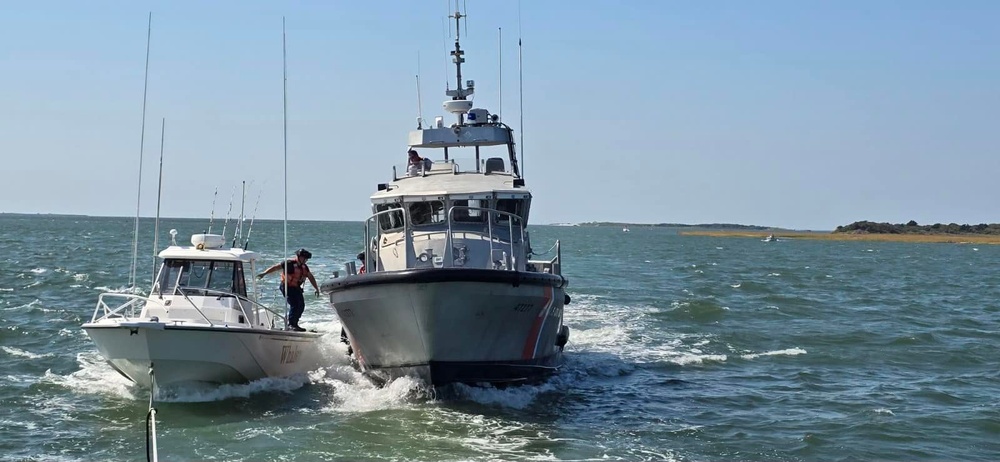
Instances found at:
x=682 y=348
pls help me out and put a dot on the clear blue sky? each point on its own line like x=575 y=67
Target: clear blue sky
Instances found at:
x=784 y=113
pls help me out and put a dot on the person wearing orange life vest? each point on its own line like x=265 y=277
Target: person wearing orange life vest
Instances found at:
x=294 y=274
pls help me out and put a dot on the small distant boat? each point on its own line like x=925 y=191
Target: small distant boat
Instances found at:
x=625 y=229
x=770 y=238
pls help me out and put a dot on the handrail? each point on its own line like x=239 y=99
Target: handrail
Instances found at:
x=135 y=299
x=109 y=312
x=489 y=227
x=239 y=301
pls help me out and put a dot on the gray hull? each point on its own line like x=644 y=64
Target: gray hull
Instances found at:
x=453 y=325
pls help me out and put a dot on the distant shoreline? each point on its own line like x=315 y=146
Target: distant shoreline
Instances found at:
x=830 y=236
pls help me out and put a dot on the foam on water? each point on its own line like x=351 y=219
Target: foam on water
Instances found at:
x=25 y=354
x=200 y=393
x=358 y=394
x=519 y=397
x=94 y=377
x=786 y=352
x=31 y=304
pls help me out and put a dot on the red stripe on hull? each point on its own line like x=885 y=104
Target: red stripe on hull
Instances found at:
x=536 y=327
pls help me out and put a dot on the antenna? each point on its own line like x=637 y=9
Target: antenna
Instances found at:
x=520 y=84
x=457 y=57
x=420 y=110
x=444 y=45
x=142 y=142
x=211 y=218
x=284 y=136
x=159 y=193
x=499 y=72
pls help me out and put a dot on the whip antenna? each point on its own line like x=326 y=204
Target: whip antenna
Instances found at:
x=284 y=136
x=420 y=110
x=142 y=143
x=520 y=84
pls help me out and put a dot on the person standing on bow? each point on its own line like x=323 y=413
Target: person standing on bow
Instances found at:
x=294 y=274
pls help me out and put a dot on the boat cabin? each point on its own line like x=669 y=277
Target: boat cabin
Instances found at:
x=205 y=283
x=451 y=211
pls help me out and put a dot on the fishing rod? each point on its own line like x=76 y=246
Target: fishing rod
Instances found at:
x=226 y=224
x=159 y=193
x=211 y=217
x=246 y=243
x=239 y=226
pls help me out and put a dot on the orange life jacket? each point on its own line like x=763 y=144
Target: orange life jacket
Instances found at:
x=296 y=272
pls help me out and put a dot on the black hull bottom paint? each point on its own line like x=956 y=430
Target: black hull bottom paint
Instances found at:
x=495 y=373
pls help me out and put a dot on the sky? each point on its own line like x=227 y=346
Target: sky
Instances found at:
x=804 y=115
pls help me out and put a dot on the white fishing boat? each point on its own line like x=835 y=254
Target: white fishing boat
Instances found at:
x=201 y=322
x=451 y=292
x=770 y=238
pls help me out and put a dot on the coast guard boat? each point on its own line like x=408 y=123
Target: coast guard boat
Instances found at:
x=450 y=292
x=201 y=322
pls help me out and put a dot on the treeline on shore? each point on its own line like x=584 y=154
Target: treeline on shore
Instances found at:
x=912 y=227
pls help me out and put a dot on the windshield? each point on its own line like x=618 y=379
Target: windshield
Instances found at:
x=217 y=276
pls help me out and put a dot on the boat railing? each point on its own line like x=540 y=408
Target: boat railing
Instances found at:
x=243 y=303
x=125 y=310
x=449 y=258
x=554 y=265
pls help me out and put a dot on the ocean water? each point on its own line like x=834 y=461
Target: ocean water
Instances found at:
x=682 y=348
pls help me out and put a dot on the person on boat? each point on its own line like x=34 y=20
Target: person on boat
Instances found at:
x=361 y=256
x=415 y=162
x=295 y=273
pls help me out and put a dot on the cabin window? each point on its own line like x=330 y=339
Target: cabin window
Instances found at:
x=469 y=211
x=426 y=213
x=190 y=275
x=227 y=276
x=391 y=220
x=514 y=206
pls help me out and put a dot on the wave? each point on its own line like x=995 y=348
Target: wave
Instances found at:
x=785 y=352
x=25 y=354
